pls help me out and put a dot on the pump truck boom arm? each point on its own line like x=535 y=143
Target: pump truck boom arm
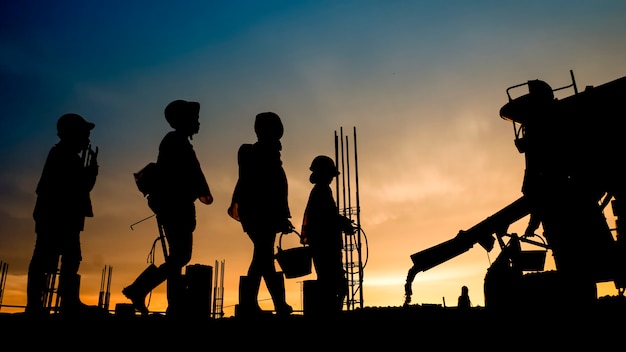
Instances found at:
x=481 y=233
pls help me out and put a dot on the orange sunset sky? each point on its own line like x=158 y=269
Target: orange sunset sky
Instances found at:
x=422 y=82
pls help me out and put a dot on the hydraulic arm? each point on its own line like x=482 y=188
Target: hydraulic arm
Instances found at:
x=481 y=233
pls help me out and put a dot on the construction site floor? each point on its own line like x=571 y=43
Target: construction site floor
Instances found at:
x=386 y=328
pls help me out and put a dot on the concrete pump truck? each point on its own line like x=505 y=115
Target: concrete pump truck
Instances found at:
x=575 y=152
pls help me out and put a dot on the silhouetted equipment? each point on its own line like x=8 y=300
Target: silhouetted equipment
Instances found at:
x=574 y=154
x=51 y=297
x=147 y=178
x=89 y=156
x=4 y=270
x=354 y=244
x=160 y=238
x=199 y=279
x=314 y=304
x=218 y=291
x=125 y=310
x=104 y=297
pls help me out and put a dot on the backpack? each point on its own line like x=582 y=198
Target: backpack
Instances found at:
x=147 y=178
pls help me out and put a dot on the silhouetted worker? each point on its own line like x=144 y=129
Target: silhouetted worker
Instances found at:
x=464 y=300
x=181 y=183
x=63 y=202
x=322 y=229
x=560 y=191
x=260 y=203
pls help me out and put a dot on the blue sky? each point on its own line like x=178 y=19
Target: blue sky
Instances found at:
x=421 y=81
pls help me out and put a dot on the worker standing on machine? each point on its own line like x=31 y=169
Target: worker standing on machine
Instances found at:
x=561 y=197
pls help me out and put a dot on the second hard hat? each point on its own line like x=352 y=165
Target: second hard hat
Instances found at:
x=322 y=164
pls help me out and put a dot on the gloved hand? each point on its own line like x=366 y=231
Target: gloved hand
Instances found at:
x=286 y=227
x=207 y=199
x=346 y=225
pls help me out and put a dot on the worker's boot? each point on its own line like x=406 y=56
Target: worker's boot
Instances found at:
x=275 y=283
x=341 y=295
x=69 y=291
x=36 y=287
x=248 y=297
x=177 y=302
x=143 y=284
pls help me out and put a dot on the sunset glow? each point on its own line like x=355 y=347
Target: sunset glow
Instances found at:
x=421 y=84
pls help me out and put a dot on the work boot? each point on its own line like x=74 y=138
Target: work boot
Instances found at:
x=276 y=286
x=69 y=291
x=248 y=297
x=177 y=302
x=36 y=287
x=143 y=284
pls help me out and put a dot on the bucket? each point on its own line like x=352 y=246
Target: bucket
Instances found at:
x=294 y=262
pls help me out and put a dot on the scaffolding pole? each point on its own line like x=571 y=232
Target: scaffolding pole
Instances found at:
x=4 y=270
x=218 y=290
x=352 y=255
x=104 y=297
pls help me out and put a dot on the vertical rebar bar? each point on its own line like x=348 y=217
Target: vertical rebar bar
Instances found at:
x=3 y=279
x=102 y=283
x=107 y=296
x=353 y=266
x=358 y=218
x=337 y=165
x=221 y=305
x=348 y=213
x=215 y=290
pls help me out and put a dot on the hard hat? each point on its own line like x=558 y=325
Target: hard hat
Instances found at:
x=540 y=90
x=322 y=164
x=180 y=109
x=72 y=123
x=267 y=125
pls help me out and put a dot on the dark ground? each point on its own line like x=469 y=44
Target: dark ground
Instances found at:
x=380 y=328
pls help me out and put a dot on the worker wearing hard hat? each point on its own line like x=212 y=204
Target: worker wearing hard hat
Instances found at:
x=322 y=229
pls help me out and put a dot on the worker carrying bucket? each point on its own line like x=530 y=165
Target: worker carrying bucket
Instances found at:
x=295 y=262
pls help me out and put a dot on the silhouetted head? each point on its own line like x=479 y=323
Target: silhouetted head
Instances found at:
x=322 y=164
x=540 y=90
x=464 y=291
x=73 y=125
x=323 y=169
x=529 y=106
x=183 y=115
x=268 y=126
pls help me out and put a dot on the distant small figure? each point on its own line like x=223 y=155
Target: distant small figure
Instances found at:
x=464 y=300
x=63 y=203
x=322 y=229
